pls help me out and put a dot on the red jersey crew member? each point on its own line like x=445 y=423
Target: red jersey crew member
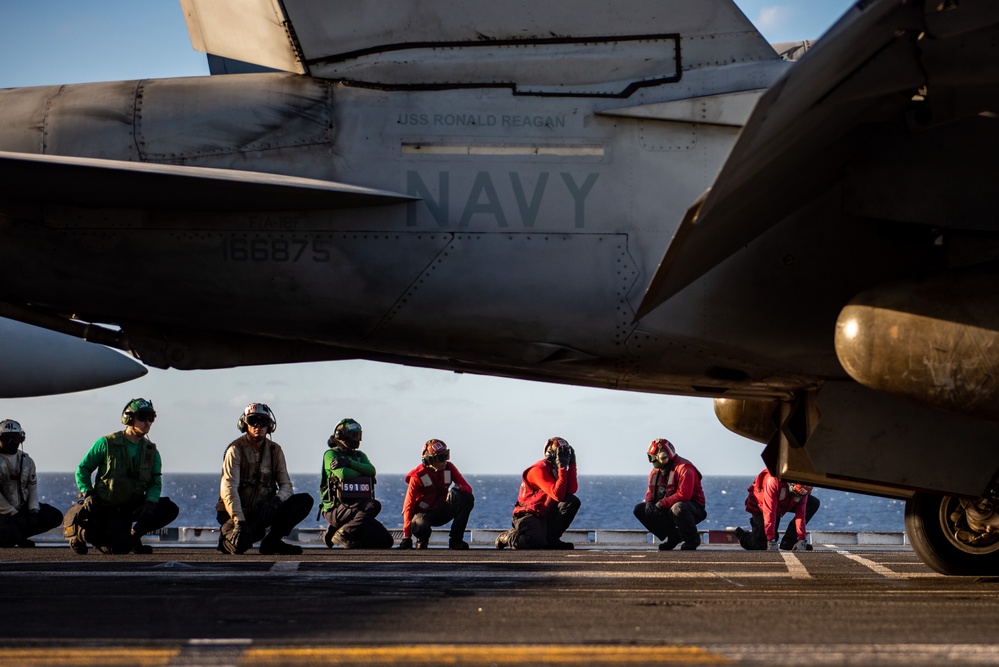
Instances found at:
x=431 y=500
x=546 y=505
x=674 y=501
x=769 y=499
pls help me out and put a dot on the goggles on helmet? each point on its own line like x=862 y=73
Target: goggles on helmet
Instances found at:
x=258 y=420
x=148 y=416
x=660 y=456
x=347 y=431
x=661 y=452
x=553 y=445
x=435 y=451
x=11 y=438
x=138 y=409
x=257 y=415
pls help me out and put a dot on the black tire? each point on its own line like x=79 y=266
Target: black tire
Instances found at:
x=928 y=526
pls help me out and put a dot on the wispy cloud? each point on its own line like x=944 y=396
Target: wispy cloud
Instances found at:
x=774 y=17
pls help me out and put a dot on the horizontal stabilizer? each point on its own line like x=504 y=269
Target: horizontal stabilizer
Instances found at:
x=39 y=362
x=731 y=109
x=92 y=182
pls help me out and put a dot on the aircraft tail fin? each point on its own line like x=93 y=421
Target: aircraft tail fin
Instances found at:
x=562 y=47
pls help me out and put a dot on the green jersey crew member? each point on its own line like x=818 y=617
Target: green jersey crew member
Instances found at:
x=347 y=492
x=122 y=502
x=21 y=515
x=255 y=492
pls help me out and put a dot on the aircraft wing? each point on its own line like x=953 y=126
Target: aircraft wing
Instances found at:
x=883 y=61
x=121 y=184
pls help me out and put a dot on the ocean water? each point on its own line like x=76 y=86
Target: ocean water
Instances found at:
x=607 y=501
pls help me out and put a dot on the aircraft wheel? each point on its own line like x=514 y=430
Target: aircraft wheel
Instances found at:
x=941 y=536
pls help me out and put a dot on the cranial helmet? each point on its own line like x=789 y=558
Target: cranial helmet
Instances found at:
x=661 y=452
x=347 y=432
x=256 y=409
x=11 y=431
x=433 y=450
x=135 y=406
x=553 y=445
x=11 y=436
x=799 y=489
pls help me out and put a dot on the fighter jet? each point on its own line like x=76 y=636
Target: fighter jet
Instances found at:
x=641 y=195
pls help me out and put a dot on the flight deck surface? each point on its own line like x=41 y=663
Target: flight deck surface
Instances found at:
x=195 y=606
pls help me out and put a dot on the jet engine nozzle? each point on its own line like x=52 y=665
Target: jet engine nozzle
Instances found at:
x=935 y=341
x=755 y=419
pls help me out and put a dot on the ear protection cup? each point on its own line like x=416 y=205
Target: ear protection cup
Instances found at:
x=344 y=432
x=136 y=405
x=552 y=445
x=432 y=447
x=126 y=414
x=256 y=409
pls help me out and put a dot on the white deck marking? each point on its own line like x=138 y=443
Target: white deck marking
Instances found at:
x=285 y=566
x=877 y=567
x=794 y=566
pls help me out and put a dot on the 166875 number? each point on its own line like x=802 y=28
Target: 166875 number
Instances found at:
x=275 y=250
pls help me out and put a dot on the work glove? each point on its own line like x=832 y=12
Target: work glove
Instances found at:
x=406 y=543
x=563 y=455
x=801 y=545
x=452 y=496
x=772 y=545
x=236 y=535
x=147 y=511
x=340 y=462
x=266 y=513
x=32 y=519
x=652 y=508
x=89 y=500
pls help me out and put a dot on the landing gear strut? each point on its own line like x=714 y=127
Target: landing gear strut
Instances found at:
x=953 y=535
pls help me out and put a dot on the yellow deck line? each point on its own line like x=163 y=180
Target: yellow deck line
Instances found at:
x=83 y=656
x=480 y=654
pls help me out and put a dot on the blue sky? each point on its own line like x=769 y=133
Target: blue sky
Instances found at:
x=492 y=425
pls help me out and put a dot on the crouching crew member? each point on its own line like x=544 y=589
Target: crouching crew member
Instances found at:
x=348 y=493
x=123 y=502
x=432 y=501
x=674 y=501
x=546 y=505
x=256 y=493
x=769 y=499
x=21 y=515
